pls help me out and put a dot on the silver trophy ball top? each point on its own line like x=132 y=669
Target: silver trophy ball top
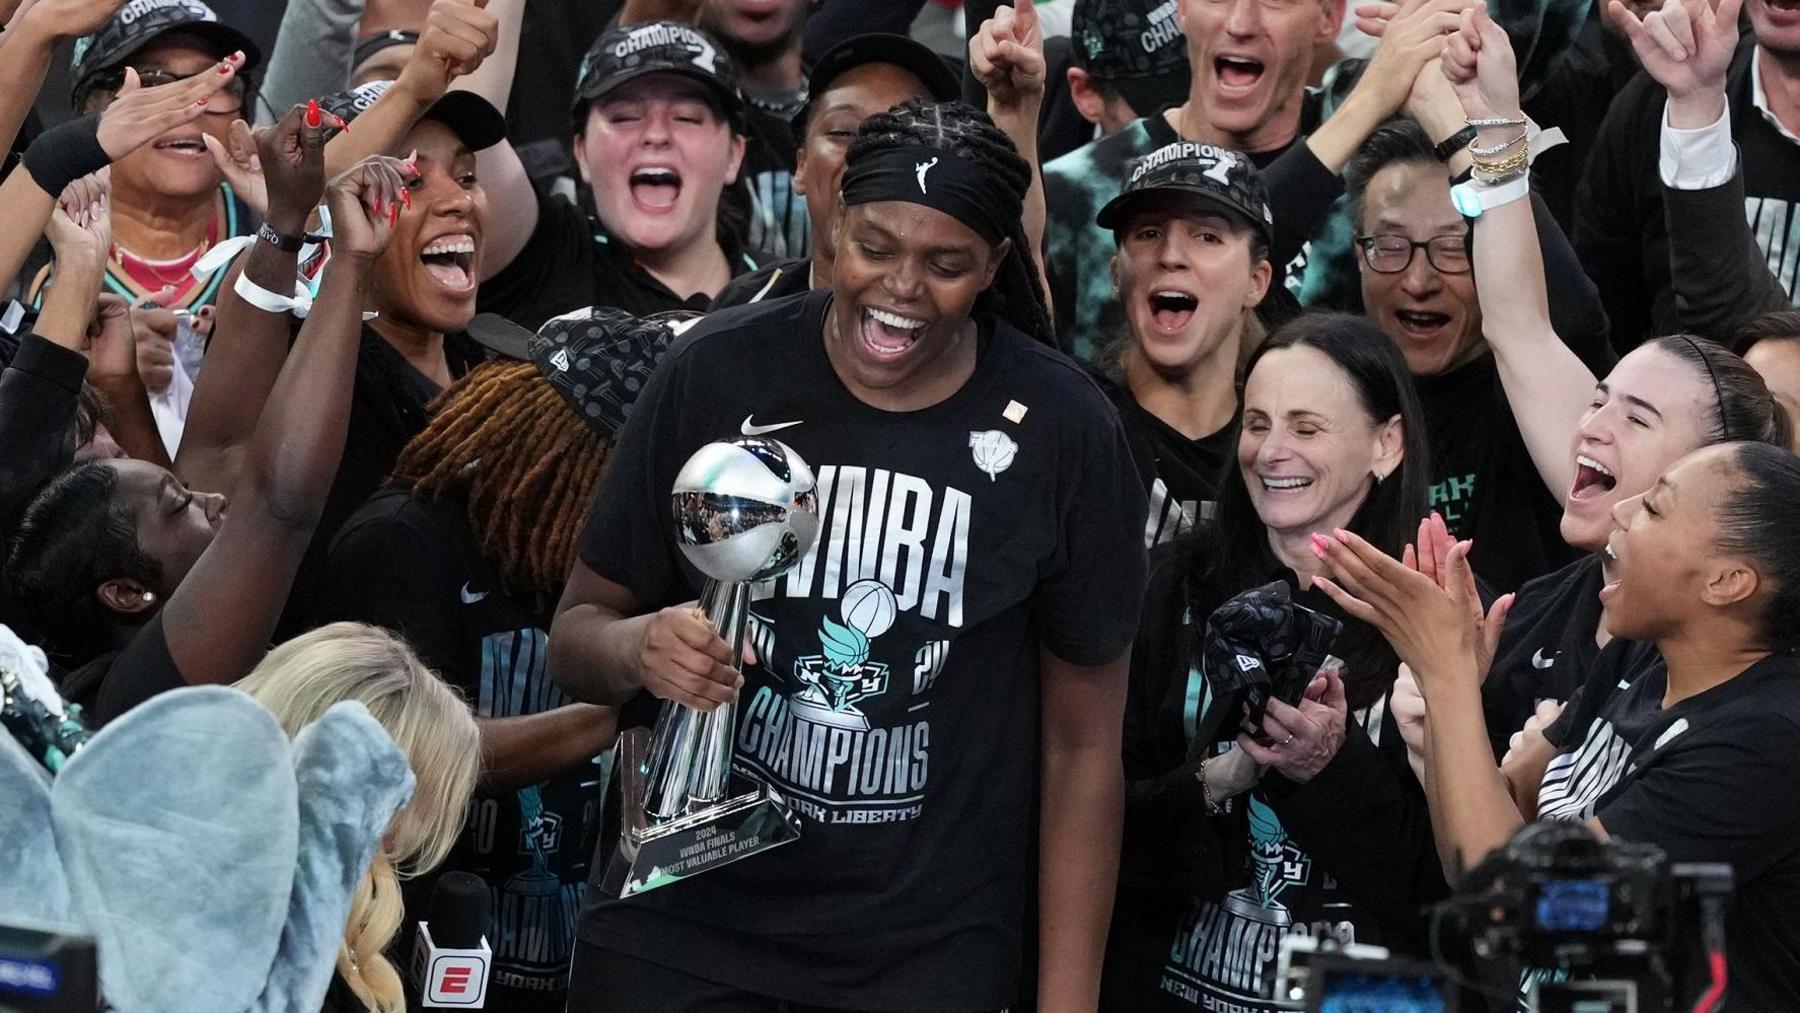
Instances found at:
x=746 y=509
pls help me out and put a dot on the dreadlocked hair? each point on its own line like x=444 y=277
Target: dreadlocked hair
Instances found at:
x=1016 y=295
x=522 y=461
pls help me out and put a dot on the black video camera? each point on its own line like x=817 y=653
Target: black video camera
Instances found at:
x=1260 y=646
x=1592 y=924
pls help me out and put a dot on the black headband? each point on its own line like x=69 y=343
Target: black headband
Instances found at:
x=937 y=179
x=1718 y=395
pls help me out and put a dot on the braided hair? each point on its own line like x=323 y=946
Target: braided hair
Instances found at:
x=1016 y=295
x=523 y=462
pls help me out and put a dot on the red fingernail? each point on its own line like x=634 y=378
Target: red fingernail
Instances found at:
x=406 y=196
x=312 y=112
x=378 y=205
x=343 y=124
x=394 y=215
x=225 y=68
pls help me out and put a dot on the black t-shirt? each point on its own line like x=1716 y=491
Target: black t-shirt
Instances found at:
x=569 y=263
x=117 y=681
x=1181 y=475
x=387 y=409
x=1546 y=647
x=1002 y=519
x=1711 y=779
x=1205 y=901
x=415 y=567
x=1483 y=480
x=1621 y=231
x=767 y=283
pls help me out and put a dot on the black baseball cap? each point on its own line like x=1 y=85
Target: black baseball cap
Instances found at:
x=1136 y=46
x=660 y=47
x=139 y=22
x=599 y=359
x=369 y=45
x=468 y=115
x=1212 y=174
x=879 y=47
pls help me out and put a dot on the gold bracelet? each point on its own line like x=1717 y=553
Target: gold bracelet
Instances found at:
x=1212 y=808
x=1503 y=166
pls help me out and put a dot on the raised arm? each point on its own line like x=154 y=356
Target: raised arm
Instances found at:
x=1721 y=279
x=1007 y=56
x=1546 y=384
x=28 y=45
x=458 y=36
x=242 y=366
x=502 y=174
x=218 y=621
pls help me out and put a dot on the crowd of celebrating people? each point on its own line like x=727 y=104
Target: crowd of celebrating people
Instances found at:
x=356 y=360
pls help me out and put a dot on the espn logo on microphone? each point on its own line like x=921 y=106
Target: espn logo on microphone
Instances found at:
x=450 y=978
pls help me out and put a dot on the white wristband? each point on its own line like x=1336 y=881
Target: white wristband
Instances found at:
x=260 y=297
x=1473 y=198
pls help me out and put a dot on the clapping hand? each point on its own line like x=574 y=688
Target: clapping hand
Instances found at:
x=1007 y=56
x=1431 y=557
x=1434 y=629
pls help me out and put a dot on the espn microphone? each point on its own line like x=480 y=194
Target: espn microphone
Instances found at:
x=451 y=958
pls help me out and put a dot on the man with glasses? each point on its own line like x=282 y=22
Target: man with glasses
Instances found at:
x=169 y=204
x=1418 y=287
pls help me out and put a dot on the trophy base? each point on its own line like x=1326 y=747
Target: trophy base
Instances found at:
x=650 y=853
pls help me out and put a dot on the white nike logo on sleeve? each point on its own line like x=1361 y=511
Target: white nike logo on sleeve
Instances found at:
x=750 y=429
x=1539 y=661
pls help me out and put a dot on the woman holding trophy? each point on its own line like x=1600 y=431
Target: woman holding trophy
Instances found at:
x=916 y=674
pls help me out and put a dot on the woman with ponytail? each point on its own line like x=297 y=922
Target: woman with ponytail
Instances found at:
x=301 y=680
x=969 y=603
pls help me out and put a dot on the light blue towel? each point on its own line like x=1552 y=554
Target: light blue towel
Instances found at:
x=212 y=861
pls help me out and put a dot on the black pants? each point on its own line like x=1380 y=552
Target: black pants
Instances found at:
x=602 y=981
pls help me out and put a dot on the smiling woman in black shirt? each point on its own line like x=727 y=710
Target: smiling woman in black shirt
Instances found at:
x=1697 y=758
x=1326 y=836
x=974 y=480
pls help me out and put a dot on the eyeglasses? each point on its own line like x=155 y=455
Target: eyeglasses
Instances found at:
x=1391 y=254
x=225 y=102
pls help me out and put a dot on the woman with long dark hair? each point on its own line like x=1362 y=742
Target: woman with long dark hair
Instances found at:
x=1314 y=830
x=973 y=589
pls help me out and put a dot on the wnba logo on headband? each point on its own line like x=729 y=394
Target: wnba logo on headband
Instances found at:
x=938 y=179
x=922 y=168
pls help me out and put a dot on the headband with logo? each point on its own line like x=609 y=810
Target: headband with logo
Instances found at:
x=937 y=179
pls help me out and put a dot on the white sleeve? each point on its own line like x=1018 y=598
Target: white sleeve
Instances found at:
x=1698 y=159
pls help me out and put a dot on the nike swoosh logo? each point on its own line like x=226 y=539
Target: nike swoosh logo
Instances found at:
x=1539 y=661
x=470 y=597
x=750 y=429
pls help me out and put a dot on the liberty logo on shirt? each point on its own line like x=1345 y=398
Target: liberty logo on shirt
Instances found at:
x=841 y=674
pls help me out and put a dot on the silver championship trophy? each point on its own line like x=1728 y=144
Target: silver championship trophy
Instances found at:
x=745 y=512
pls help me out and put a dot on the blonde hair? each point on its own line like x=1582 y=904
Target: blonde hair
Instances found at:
x=298 y=682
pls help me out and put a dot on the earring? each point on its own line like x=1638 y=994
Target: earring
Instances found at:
x=1378 y=477
x=149 y=596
